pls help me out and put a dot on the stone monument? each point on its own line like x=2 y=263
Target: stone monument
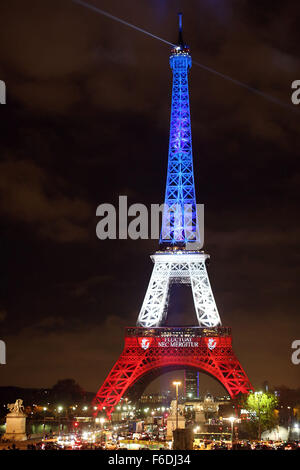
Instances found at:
x=16 y=422
x=171 y=421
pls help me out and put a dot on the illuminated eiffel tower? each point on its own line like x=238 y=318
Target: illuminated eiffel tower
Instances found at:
x=151 y=348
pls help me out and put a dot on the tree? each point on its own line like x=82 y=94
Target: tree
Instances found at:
x=261 y=407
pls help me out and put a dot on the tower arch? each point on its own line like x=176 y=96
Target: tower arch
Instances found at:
x=149 y=351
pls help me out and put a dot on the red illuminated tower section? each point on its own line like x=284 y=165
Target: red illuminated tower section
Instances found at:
x=151 y=348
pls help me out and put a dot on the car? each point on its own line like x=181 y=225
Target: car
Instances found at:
x=261 y=447
x=290 y=446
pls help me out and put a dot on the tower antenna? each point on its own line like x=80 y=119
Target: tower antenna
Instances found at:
x=180 y=37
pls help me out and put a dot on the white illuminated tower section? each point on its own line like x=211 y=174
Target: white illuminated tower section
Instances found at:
x=179 y=260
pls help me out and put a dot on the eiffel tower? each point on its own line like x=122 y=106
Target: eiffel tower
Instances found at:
x=150 y=347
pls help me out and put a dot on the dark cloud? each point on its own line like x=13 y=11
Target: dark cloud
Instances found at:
x=85 y=286
x=28 y=196
x=2 y=315
x=38 y=355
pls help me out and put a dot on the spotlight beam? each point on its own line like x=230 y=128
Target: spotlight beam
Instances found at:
x=258 y=92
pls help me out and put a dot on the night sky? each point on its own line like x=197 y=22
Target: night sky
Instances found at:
x=87 y=120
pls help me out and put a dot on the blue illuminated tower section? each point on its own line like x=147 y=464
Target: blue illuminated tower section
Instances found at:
x=180 y=223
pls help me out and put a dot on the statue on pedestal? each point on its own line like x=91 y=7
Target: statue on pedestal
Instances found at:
x=16 y=422
x=17 y=407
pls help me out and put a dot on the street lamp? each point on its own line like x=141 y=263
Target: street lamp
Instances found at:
x=44 y=409
x=176 y=384
x=59 y=409
x=232 y=420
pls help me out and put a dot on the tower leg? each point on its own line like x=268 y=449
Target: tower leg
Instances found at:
x=155 y=303
x=205 y=305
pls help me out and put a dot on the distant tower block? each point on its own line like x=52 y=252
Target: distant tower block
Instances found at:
x=191 y=384
x=151 y=348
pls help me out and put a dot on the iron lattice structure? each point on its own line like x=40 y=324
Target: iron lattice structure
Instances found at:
x=186 y=267
x=150 y=347
x=206 y=349
x=180 y=221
